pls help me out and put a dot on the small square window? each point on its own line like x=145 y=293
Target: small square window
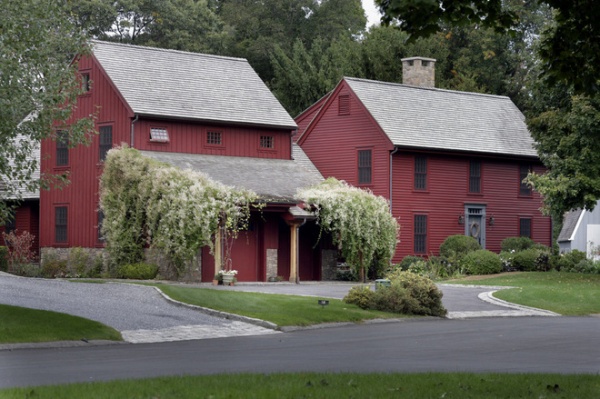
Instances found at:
x=214 y=138
x=266 y=142
x=159 y=134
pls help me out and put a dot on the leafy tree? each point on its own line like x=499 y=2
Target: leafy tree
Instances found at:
x=39 y=86
x=571 y=40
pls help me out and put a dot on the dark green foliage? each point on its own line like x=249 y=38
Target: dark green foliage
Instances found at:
x=586 y=266
x=361 y=296
x=516 y=244
x=54 y=267
x=409 y=260
x=3 y=259
x=138 y=271
x=423 y=297
x=568 y=260
x=481 y=262
x=526 y=260
x=455 y=247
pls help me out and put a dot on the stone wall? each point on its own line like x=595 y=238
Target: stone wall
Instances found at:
x=418 y=71
x=329 y=259
x=272 y=271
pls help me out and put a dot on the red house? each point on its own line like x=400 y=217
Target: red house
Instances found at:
x=197 y=111
x=449 y=162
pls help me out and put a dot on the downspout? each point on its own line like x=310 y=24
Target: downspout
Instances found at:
x=391 y=179
x=132 y=141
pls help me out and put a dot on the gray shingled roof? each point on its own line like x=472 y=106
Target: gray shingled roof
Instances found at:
x=178 y=84
x=570 y=221
x=445 y=120
x=272 y=179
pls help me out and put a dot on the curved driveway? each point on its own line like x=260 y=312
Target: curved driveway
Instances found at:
x=143 y=315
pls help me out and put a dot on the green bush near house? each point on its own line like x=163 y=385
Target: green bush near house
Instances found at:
x=455 y=247
x=409 y=260
x=516 y=244
x=481 y=262
x=569 y=260
x=138 y=271
x=53 y=266
x=3 y=259
x=361 y=296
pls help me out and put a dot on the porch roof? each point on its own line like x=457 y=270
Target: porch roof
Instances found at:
x=275 y=180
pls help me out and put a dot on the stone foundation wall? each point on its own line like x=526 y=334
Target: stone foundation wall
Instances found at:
x=272 y=271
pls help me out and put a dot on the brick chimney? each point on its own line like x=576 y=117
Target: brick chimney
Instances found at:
x=418 y=71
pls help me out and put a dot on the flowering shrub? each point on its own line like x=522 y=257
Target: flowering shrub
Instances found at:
x=19 y=249
x=229 y=272
x=360 y=222
x=146 y=202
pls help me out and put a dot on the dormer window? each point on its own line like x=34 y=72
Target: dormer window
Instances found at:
x=160 y=135
x=266 y=142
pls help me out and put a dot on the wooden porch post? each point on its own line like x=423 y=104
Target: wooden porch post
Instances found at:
x=218 y=251
x=293 y=253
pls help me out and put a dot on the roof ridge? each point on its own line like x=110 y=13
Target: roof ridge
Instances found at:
x=166 y=50
x=469 y=93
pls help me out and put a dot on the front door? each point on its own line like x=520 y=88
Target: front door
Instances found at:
x=475 y=223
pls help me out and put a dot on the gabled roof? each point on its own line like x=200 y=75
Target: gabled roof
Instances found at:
x=178 y=84
x=271 y=179
x=570 y=223
x=418 y=117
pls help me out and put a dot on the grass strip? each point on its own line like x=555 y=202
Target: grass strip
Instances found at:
x=19 y=325
x=570 y=294
x=328 y=385
x=283 y=310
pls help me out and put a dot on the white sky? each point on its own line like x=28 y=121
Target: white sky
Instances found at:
x=372 y=12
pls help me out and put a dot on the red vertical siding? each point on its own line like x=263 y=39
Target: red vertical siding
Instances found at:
x=447 y=194
x=332 y=143
x=188 y=137
x=84 y=169
x=27 y=219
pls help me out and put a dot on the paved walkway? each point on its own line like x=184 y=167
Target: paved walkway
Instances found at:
x=143 y=314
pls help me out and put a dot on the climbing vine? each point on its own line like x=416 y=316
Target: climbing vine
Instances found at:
x=148 y=203
x=359 y=221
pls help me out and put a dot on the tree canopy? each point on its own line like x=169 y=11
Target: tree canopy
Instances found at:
x=38 y=88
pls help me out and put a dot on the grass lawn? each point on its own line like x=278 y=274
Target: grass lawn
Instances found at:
x=283 y=310
x=571 y=294
x=327 y=385
x=19 y=325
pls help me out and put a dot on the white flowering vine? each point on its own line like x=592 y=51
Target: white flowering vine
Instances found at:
x=148 y=203
x=359 y=221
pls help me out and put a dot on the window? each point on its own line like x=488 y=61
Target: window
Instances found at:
x=420 y=234
x=420 y=172
x=10 y=224
x=85 y=82
x=525 y=189
x=62 y=148
x=266 y=142
x=105 y=141
x=475 y=177
x=364 y=167
x=100 y=216
x=214 y=138
x=60 y=224
x=159 y=134
x=525 y=227
x=344 y=104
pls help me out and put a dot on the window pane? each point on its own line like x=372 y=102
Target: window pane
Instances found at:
x=475 y=177
x=420 y=172
x=525 y=227
x=524 y=187
x=159 y=134
x=213 y=138
x=266 y=142
x=62 y=148
x=420 y=234
x=60 y=224
x=105 y=141
x=364 y=166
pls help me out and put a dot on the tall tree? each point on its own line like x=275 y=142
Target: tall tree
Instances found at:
x=38 y=87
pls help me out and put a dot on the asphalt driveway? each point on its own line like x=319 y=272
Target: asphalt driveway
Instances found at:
x=142 y=314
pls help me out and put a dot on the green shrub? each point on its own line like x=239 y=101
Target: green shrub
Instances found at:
x=409 y=260
x=3 y=259
x=568 y=260
x=361 y=296
x=138 y=271
x=507 y=261
x=481 y=262
x=420 y=267
x=516 y=244
x=54 y=267
x=394 y=299
x=422 y=295
x=526 y=260
x=586 y=266
x=455 y=247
